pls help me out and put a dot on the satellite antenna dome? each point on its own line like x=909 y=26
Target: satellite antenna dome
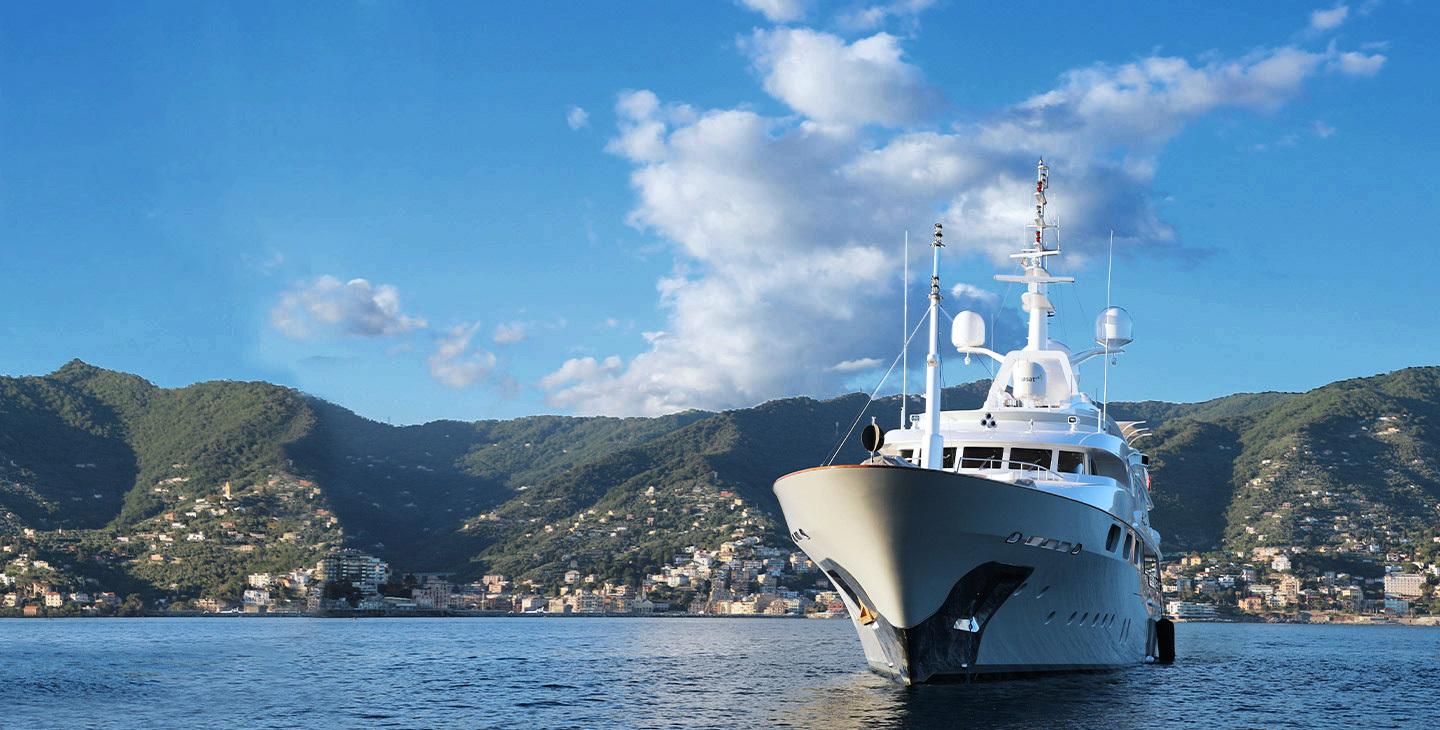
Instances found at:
x=968 y=331
x=1114 y=328
x=1029 y=380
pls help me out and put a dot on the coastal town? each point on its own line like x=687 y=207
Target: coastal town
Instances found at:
x=741 y=577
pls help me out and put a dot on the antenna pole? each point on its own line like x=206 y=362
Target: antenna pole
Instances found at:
x=1105 y=399
x=935 y=443
x=905 y=339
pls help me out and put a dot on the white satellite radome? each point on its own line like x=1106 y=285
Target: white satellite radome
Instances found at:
x=968 y=331
x=1114 y=328
x=1029 y=382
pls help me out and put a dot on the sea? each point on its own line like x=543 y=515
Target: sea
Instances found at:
x=531 y=672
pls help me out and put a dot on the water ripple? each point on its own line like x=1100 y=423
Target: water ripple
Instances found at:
x=672 y=673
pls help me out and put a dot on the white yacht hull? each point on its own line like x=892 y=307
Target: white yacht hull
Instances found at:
x=936 y=591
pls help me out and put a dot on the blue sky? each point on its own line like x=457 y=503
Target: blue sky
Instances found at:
x=487 y=210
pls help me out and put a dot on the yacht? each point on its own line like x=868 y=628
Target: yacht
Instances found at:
x=1008 y=540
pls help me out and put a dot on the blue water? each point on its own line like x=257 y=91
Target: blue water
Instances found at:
x=672 y=673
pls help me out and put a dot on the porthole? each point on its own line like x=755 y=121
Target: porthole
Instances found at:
x=1071 y=620
x=1049 y=618
x=1042 y=592
x=1076 y=550
x=1084 y=618
x=1014 y=538
x=1021 y=588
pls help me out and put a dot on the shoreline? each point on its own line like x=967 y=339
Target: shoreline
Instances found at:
x=1424 y=621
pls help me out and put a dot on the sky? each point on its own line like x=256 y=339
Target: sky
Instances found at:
x=490 y=210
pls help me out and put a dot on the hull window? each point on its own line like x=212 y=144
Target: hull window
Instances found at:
x=1112 y=540
x=982 y=457
x=1129 y=545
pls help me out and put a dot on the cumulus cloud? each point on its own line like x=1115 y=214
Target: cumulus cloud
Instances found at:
x=1322 y=20
x=509 y=334
x=327 y=305
x=577 y=118
x=786 y=230
x=832 y=82
x=779 y=11
x=455 y=364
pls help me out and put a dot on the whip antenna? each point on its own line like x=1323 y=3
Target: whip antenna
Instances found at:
x=904 y=328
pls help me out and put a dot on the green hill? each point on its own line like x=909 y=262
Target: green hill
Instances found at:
x=185 y=491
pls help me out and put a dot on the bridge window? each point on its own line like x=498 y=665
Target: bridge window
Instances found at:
x=1072 y=462
x=1105 y=464
x=948 y=458
x=982 y=457
x=1037 y=458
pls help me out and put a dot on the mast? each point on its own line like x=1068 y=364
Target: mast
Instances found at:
x=1039 y=336
x=934 y=442
x=1036 y=278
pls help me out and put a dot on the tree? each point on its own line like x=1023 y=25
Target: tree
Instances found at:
x=134 y=605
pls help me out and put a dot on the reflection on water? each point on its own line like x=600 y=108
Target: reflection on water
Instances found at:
x=869 y=701
x=673 y=673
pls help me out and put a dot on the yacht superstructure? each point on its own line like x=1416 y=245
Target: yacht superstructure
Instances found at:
x=1010 y=539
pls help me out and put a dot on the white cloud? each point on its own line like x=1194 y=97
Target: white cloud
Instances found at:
x=1322 y=20
x=873 y=16
x=508 y=334
x=851 y=366
x=328 y=306
x=779 y=11
x=831 y=82
x=787 y=230
x=1322 y=130
x=579 y=371
x=973 y=297
x=577 y=118
x=1359 y=64
x=455 y=364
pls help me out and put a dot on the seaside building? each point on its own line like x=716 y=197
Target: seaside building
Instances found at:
x=1186 y=611
x=1404 y=585
x=365 y=572
x=435 y=594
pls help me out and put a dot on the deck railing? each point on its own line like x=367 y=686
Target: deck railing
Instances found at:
x=1044 y=473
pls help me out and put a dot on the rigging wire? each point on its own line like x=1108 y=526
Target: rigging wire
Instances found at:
x=881 y=384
